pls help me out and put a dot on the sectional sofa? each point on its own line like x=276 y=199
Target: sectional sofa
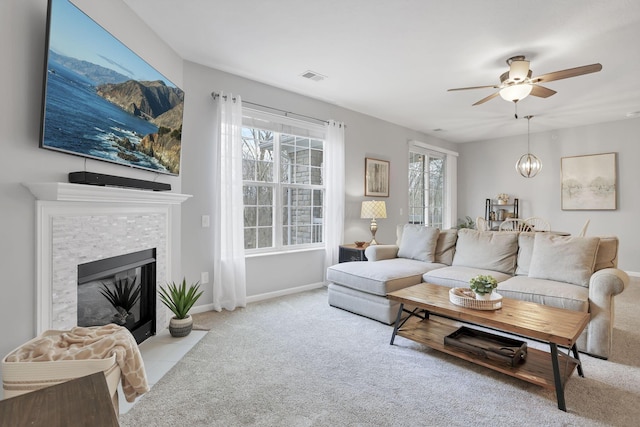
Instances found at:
x=577 y=273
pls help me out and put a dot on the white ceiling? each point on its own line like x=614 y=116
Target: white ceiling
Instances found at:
x=395 y=59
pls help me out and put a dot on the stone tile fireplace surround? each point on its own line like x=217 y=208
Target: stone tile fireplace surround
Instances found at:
x=79 y=223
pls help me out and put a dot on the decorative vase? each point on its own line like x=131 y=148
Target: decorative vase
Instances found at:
x=502 y=202
x=180 y=327
x=484 y=297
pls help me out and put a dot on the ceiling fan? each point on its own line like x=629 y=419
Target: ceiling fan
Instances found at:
x=517 y=83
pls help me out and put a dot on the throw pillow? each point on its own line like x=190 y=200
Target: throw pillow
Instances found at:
x=418 y=242
x=446 y=246
x=563 y=258
x=607 y=256
x=488 y=250
x=525 y=251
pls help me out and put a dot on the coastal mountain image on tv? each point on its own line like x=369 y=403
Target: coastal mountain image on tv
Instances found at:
x=103 y=101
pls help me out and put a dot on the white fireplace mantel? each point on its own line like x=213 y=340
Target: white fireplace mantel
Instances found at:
x=78 y=223
x=67 y=192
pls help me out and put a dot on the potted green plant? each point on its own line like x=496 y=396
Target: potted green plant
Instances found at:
x=180 y=299
x=483 y=286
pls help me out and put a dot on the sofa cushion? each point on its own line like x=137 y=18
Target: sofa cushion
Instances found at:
x=487 y=250
x=418 y=242
x=547 y=292
x=563 y=258
x=607 y=256
x=446 y=246
x=380 y=277
x=525 y=250
x=458 y=277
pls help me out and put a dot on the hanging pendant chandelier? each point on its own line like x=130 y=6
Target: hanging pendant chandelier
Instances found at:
x=528 y=165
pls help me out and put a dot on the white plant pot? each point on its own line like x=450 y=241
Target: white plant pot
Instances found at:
x=484 y=297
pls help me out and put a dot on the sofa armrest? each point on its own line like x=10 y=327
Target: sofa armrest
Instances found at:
x=606 y=283
x=380 y=252
x=603 y=286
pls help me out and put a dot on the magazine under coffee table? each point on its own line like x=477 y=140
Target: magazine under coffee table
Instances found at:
x=435 y=317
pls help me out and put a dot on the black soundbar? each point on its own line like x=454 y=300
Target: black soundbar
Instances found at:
x=92 y=178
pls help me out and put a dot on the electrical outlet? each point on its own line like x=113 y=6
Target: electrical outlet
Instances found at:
x=204 y=277
x=400 y=211
x=205 y=221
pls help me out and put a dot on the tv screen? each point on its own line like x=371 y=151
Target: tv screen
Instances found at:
x=103 y=101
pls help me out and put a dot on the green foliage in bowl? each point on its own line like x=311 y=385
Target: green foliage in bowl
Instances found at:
x=482 y=284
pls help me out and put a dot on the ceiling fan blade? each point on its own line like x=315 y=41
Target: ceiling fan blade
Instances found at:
x=565 y=74
x=541 y=91
x=474 y=87
x=488 y=98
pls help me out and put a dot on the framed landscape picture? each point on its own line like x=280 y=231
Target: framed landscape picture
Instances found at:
x=589 y=182
x=376 y=177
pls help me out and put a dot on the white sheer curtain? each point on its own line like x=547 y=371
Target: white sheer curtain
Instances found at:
x=229 y=275
x=334 y=176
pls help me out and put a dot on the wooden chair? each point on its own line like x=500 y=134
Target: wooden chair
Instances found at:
x=482 y=224
x=583 y=232
x=538 y=224
x=514 y=224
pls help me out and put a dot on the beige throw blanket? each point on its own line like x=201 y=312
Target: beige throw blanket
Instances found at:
x=95 y=342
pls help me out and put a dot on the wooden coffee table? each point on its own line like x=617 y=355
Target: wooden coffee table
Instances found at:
x=433 y=317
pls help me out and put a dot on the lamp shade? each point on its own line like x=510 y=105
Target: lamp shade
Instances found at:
x=516 y=92
x=373 y=209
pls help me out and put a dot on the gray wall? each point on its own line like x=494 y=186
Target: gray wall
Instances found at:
x=487 y=168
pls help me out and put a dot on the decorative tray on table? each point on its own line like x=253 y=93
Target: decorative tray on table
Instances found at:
x=465 y=297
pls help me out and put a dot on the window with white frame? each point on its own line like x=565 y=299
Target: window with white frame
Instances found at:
x=282 y=183
x=427 y=187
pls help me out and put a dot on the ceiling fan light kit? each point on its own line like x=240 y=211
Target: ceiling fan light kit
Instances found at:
x=528 y=165
x=516 y=92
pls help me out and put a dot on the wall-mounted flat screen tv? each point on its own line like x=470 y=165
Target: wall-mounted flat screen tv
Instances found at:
x=103 y=101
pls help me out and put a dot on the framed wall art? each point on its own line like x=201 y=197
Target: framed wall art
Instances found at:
x=376 y=177
x=589 y=182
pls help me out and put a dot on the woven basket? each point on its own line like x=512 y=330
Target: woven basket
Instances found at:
x=465 y=297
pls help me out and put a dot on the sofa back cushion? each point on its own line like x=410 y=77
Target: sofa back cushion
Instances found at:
x=418 y=242
x=607 y=256
x=446 y=246
x=488 y=250
x=525 y=251
x=563 y=258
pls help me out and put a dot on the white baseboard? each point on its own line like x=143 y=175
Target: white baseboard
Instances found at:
x=262 y=297
x=633 y=273
x=276 y=294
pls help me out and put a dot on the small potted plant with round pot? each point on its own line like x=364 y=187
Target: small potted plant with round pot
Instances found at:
x=483 y=286
x=180 y=299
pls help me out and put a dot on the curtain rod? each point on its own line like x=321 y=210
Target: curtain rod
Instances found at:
x=214 y=95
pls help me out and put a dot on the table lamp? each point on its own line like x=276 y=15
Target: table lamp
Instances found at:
x=373 y=209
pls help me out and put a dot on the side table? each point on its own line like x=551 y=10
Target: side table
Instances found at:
x=351 y=252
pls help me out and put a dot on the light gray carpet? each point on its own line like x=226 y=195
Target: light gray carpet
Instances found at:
x=296 y=361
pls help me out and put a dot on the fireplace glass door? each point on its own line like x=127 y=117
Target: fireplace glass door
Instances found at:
x=119 y=290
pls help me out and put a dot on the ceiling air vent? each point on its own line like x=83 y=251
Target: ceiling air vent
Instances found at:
x=312 y=75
